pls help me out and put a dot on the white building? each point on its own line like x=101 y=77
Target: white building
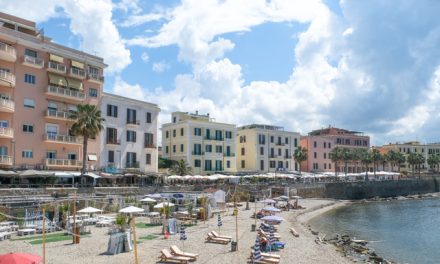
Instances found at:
x=207 y=146
x=129 y=141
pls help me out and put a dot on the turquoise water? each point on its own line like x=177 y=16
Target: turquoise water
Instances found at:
x=406 y=231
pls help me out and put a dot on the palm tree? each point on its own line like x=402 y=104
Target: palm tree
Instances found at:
x=385 y=159
x=400 y=159
x=299 y=156
x=375 y=157
x=336 y=156
x=88 y=124
x=391 y=157
x=366 y=159
x=181 y=168
x=346 y=156
x=420 y=160
x=434 y=161
x=412 y=160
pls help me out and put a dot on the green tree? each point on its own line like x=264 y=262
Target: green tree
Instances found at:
x=376 y=157
x=366 y=159
x=300 y=155
x=88 y=124
x=346 y=156
x=336 y=157
x=391 y=157
x=412 y=161
x=420 y=160
x=164 y=163
x=181 y=168
x=400 y=159
x=434 y=161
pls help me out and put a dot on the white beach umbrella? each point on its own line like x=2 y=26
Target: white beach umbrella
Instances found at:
x=271 y=209
x=131 y=209
x=89 y=210
x=161 y=205
x=147 y=200
x=155 y=196
x=272 y=218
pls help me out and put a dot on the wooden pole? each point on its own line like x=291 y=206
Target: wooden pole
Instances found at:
x=44 y=236
x=236 y=220
x=74 y=219
x=255 y=202
x=134 y=241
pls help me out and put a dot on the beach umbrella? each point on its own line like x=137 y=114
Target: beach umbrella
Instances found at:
x=272 y=218
x=271 y=237
x=19 y=258
x=131 y=210
x=161 y=205
x=219 y=221
x=182 y=234
x=257 y=253
x=147 y=200
x=154 y=196
x=271 y=209
x=89 y=210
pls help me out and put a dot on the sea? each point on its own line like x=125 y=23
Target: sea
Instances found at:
x=404 y=231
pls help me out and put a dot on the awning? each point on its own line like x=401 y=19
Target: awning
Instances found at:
x=78 y=64
x=56 y=58
x=57 y=80
x=92 y=157
x=75 y=84
x=92 y=175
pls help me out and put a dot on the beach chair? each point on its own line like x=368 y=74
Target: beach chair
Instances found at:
x=216 y=235
x=213 y=239
x=166 y=256
x=177 y=252
x=266 y=255
x=294 y=233
x=276 y=235
x=265 y=260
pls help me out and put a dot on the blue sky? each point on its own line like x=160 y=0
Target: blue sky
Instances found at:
x=370 y=66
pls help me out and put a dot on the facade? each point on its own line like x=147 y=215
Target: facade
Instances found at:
x=413 y=146
x=319 y=143
x=129 y=137
x=207 y=146
x=40 y=83
x=265 y=148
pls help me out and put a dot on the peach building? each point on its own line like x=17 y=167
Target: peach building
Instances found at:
x=40 y=83
x=319 y=143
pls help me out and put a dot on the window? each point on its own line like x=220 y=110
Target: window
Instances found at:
x=112 y=135
x=112 y=110
x=272 y=164
x=148 y=159
x=51 y=130
x=93 y=92
x=296 y=142
x=315 y=155
x=167 y=149
x=286 y=140
x=30 y=103
x=29 y=78
x=131 y=116
x=197 y=149
x=279 y=152
x=272 y=152
x=286 y=154
x=280 y=164
x=271 y=139
x=148 y=140
x=197 y=163
x=71 y=156
x=174 y=148
x=174 y=119
x=208 y=148
x=51 y=155
x=167 y=134
x=261 y=151
x=197 y=131
x=93 y=71
x=279 y=140
x=174 y=133
x=325 y=144
x=208 y=133
x=228 y=151
x=131 y=136
x=329 y=166
x=28 y=128
x=218 y=135
x=228 y=164
x=314 y=144
x=148 y=117
x=242 y=151
x=208 y=165
x=30 y=53
x=111 y=156
x=325 y=155
x=261 y=139
x=262 y=165
x=325 y=166
x=218 y=149
x=131 y=160
x=228 y=134
x=243 y=164
x=218 y=165
x=182 y=132
x=27 y=154
x=287 y=165
x=181 y=147
x=329 y=145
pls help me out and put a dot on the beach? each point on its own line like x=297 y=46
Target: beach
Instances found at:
x=302 y=249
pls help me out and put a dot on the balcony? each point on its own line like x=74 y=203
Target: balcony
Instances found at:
x=5 y=160
x=63 y=163
x=150 y=146
x=113 y=141
x=7 y=78
x=228 y=154
x=56 y=67
x=77 y=73
x=33 y=62
x=7 y=52
x=272 y=156
x=132 y=165
x=64 y=139
x=287 y=156
x=7 y=106
x=65 y=93
x=58 y=115
x=197 y=153
x=279 y=144
x=6 y=132
x=133 y=122
x=96 y=78
x=213 y=138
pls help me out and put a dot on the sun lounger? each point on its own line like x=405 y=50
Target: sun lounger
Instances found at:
x=166 y=256
x=265 y=260
x=266 y=255
x=213 y=239
x=294 y=233
x=216 y=235
x=177 y=252
x=267 y=234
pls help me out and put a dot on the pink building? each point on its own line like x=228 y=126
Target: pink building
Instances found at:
x=319 y=143
x=40 y=83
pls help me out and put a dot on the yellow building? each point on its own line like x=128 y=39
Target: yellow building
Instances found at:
x=207 y=146
x=265 y=148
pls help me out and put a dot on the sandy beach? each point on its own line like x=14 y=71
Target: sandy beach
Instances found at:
x=302 y=249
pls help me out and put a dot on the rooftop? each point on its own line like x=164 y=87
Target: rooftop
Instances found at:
x=262 y=126
x=334 y=131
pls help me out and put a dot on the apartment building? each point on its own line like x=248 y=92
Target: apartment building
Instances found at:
x=207 y=146
x=129 y=140
x=408 y=147
x=40 y=83
x=319 y=144
x=265 y=148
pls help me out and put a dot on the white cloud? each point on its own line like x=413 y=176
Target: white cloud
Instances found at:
x=145 y=57
x=137 y=20
x=159 y=67
x=128 y=6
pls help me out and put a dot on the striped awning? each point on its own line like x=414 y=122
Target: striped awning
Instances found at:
x=57 y=80
x=75 y=84
x=77 y=64
x=56 y=58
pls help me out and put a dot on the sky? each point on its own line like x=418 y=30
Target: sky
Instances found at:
x=364 y=65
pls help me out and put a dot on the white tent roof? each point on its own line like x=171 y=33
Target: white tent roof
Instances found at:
x=161 y=205
x=148 y=200
x=93 y=175
x=131 y=209
x=89 y=210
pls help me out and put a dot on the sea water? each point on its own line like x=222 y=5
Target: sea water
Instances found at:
x=405 y=231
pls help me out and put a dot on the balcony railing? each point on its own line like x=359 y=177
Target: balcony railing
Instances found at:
x=79 y=73
x=62 y=138
x=229 y=154
x=58 y=114
x=63 y=163
x=7 y=105
x=8 y=52
x=6 y=132
x=214 y=138
x=113 y=141
x=272 y=156
x=96 y=77
x=198 y=153
x=66 y=92
x=7 y=78
x=133 y=122
x=5 y=160
x=132 y=165
x=51 y=65
x=149 y=146
x=279 y=144
x=33 y=62
x=287 y=156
